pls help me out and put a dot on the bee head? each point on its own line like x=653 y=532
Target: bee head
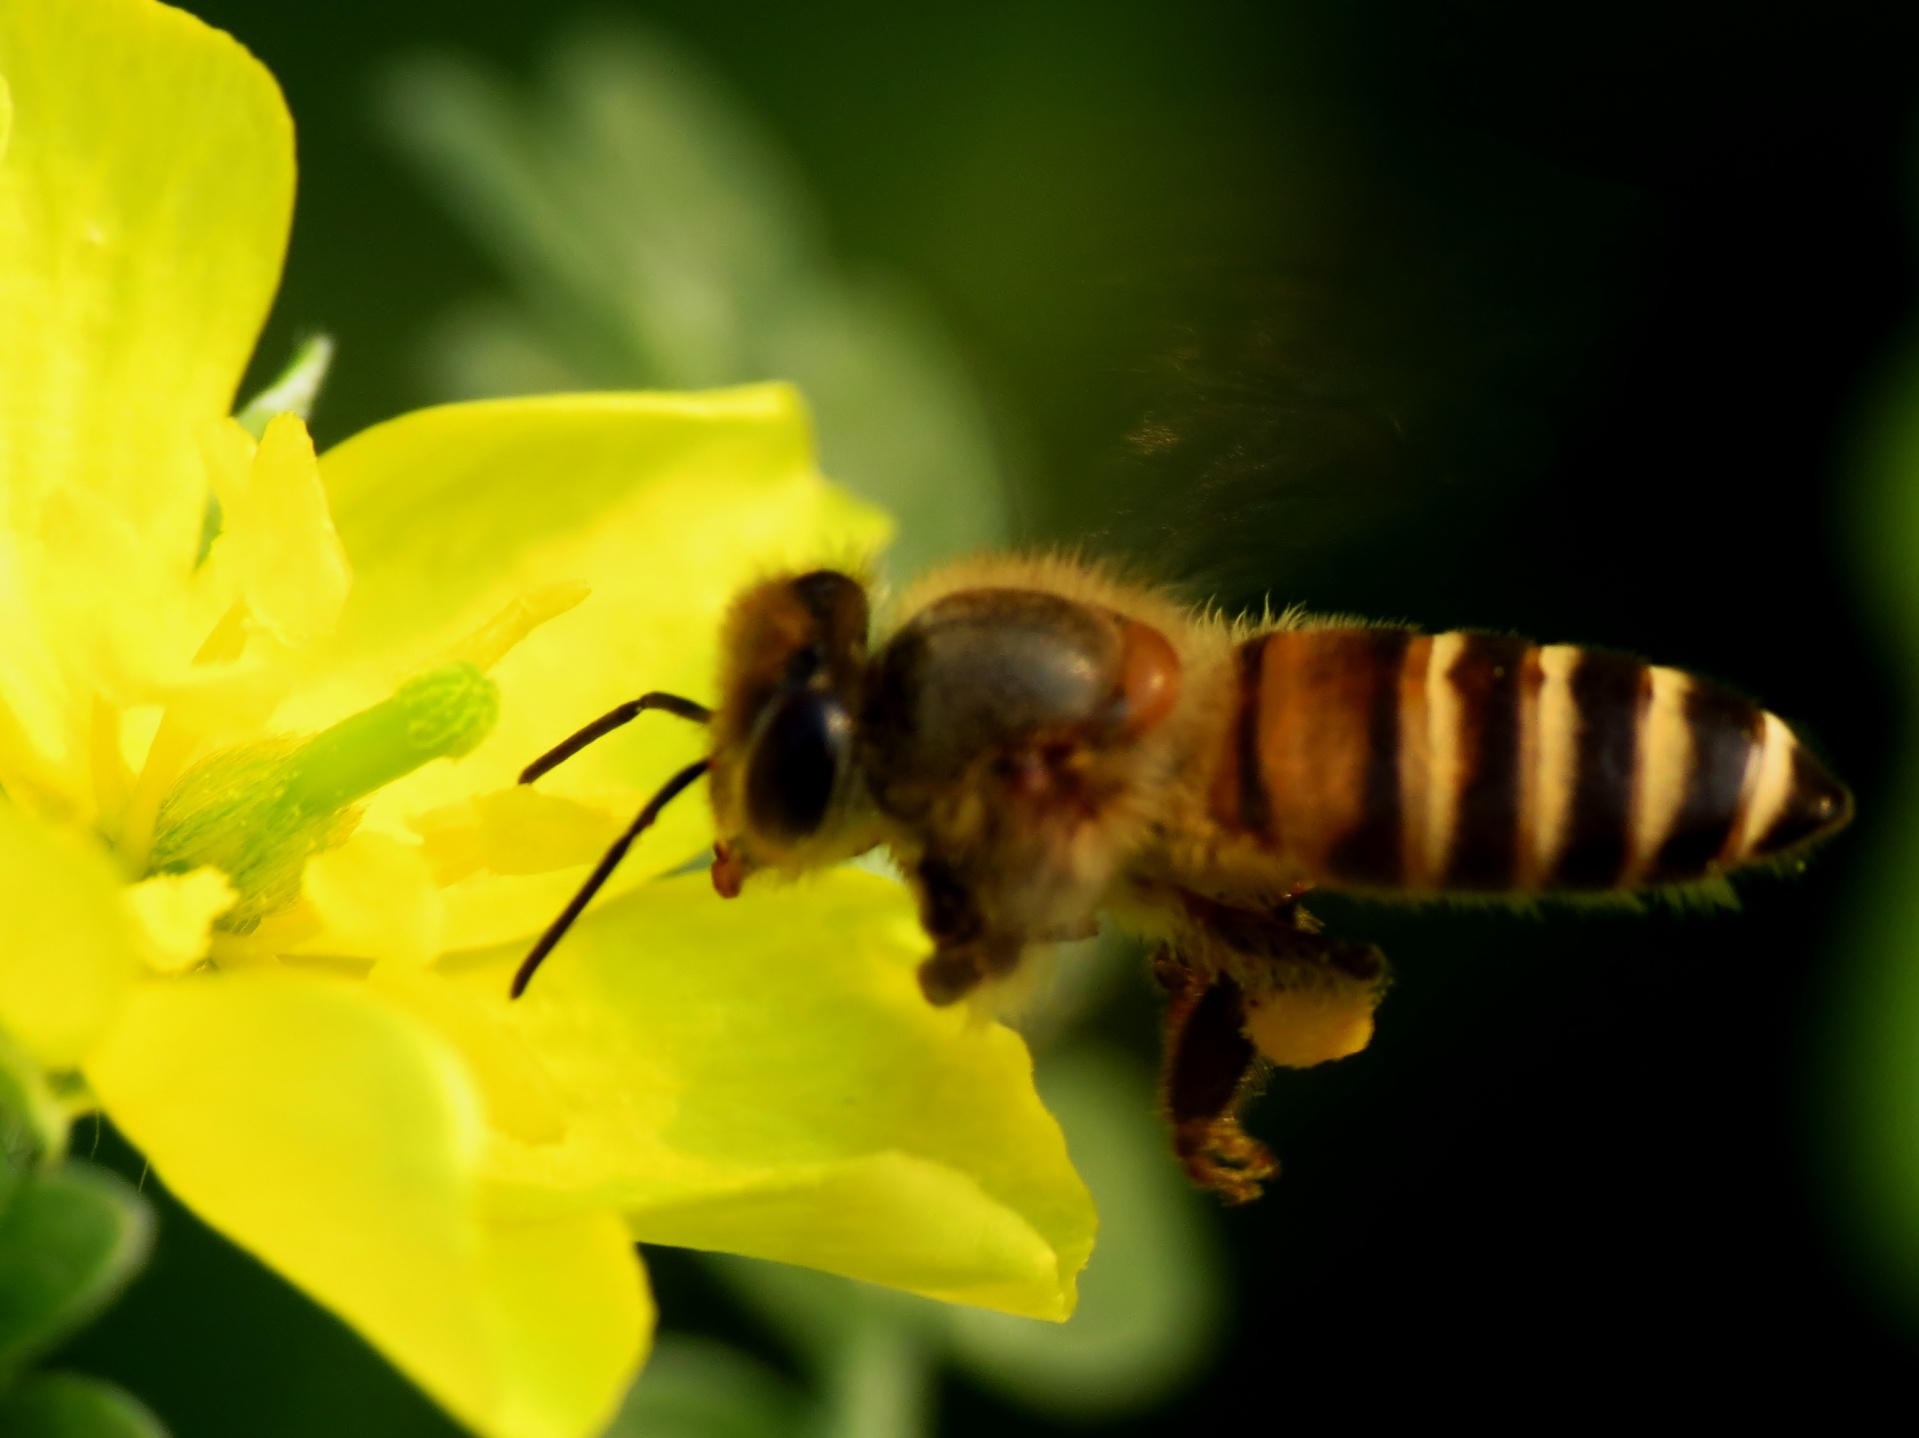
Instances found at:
x=793 y=661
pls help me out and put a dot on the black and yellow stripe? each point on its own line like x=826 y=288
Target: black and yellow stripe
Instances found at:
x=1381 y=759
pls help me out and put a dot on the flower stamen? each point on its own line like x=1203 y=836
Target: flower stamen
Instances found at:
x=112 y=778
x=174 y=747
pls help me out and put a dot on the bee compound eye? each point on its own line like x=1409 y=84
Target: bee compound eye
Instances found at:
x=795 y=764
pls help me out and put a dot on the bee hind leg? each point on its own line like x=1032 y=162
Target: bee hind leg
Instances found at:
x=1306 y=996
x=1210 y=1069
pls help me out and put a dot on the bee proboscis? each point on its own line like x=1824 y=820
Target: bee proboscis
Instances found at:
x=1037 y=743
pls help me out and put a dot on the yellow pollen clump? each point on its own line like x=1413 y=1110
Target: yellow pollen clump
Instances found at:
x=1297 y=1028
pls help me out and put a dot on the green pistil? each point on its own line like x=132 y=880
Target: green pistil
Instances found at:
x=259 y=812
x=442 y=714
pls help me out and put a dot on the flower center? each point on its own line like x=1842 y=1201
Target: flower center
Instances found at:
x=258 y=812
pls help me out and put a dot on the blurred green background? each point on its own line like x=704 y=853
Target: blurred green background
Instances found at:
x=1588 y=322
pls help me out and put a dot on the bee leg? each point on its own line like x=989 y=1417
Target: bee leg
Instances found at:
x=1316 y=1003
x=1210 y=1069
x=949 y=976
x=949 y=912
x=1306 y=996
x=965 y=952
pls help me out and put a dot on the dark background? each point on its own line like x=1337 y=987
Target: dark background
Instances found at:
x=1553 y=319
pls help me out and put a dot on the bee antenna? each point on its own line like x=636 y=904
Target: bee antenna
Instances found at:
x=611 y=720
x=610 y=861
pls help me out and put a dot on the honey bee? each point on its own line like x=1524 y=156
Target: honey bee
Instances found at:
x=1038 y=743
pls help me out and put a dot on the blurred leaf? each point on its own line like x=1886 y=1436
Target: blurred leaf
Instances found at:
x=1151 y=1299
x=819 y=1313
x=69 y=1240
x=1885 y=521
x=872 y=1348
x=1874 y=1045
x=880 y=1384
x=635 y=206
x=294 y=390
x=488 y=348
x=655 y=237
x=33 y=1121
x=1069 y=982
x=62 y=1405
x=697 y=1389
x=899 y=423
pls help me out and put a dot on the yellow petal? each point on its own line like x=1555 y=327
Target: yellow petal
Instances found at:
x=889 y=1218
x=375 y=898
x=175 y=913
x=520 y=1096
x=663 y=505
x=436 y=506
x=495 y=639
x=521 y=830
x=333 y=1135
x=292 y=569
x=144 y=202
x=69 y=949
x=763 y=1075
x=570 y=1303
x=222 y=704
x=228 y=450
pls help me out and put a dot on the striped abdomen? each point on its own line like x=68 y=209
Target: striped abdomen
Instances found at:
x=1383 y=759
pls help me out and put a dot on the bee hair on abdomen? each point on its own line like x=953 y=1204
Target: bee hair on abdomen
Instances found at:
x=1380 y=759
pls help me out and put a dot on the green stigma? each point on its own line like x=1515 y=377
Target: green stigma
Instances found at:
x=260 y=811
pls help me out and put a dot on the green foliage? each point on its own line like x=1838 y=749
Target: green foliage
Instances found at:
x=654 y=237
x=295 y=390
x=695 y=1389
x=1874 y=1043
x=33 y=1121
x=61 y=1405
x=71 y=1237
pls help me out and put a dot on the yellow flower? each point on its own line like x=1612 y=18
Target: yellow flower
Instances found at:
x=263 y=867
